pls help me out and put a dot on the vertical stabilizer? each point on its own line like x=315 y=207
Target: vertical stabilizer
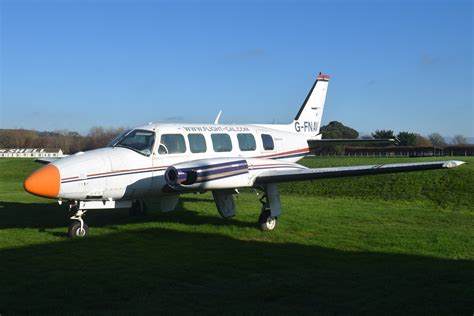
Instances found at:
x=308 y=119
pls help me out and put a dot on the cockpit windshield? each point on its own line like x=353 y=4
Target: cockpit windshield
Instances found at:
x=138 y=140
x=118 y=138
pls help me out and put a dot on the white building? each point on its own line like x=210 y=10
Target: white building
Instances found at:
x=30 y=152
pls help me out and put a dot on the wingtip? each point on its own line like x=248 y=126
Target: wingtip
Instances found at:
x=453 y=163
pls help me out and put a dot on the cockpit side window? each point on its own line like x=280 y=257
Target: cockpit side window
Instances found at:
x=138 y=140
x=172 y=144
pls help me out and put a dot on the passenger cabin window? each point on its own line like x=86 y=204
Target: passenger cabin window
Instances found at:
x=267 y=141
x=138 y=140
x=197 y=143
x=246 y=142
x=172 y=144
x=221 y=142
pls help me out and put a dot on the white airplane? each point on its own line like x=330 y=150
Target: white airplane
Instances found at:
x=166 y=160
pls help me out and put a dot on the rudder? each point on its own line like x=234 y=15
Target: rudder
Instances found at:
x=308 y=119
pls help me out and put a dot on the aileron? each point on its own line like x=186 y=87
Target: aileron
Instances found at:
x=353 y=171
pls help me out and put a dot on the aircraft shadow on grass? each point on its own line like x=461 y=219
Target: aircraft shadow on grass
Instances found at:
x=50 y=215
x=155 y=270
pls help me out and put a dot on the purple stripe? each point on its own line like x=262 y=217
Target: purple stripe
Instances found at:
x=216 y=165
x=213 y=172
x=227 y=176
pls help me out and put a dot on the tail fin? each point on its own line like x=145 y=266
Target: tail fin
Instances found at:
x=308 y=119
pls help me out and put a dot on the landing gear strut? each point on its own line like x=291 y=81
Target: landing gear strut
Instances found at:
x=78 y=228
x=271 y=208
x=138 y=208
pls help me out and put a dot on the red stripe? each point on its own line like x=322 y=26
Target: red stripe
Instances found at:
x=125 y=170
x=307 y=149
x=69 y=178
x=112 y=172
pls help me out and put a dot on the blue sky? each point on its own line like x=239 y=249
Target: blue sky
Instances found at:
x=401 y=65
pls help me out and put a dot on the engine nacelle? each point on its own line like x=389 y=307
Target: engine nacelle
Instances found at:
x=208 y=174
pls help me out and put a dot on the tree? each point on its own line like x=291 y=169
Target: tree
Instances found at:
x=100 y=137
x=437 y=140
x=459 y=140
x=407 y=139
x=337 y=130
x=383 y=133
x=422 y=141
x=4 y=140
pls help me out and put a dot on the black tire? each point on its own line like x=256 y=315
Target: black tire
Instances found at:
x=266 y=221
x=138 y=208
x=74 y=230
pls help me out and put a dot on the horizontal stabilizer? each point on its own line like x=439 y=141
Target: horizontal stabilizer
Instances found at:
x=339 y=172
x=45 y=160
x=341 y=142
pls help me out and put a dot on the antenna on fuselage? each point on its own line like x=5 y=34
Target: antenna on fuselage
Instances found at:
x=216 y=121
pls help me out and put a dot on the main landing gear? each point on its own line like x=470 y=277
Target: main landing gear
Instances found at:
x=266 y=221
x=138 y=208
x=271 y=208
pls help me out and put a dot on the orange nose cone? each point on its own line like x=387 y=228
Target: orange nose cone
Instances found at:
x=44 y=182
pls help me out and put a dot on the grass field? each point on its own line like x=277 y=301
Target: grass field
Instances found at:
x=391 y=243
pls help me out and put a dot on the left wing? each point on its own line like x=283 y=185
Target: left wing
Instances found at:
x=338 y=172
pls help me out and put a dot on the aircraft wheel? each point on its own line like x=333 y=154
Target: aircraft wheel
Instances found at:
x=75 y=230
x=138 y=208
x=266 y=221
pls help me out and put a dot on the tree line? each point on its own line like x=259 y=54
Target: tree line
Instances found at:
x=337 y=130
x=70 y=142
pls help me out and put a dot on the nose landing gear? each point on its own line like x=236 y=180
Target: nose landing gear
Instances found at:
x=78 y=228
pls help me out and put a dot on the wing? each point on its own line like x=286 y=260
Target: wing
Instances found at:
x=339 y=172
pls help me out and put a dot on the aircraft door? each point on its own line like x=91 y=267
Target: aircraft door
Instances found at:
x=171 y=148
x=159 y=168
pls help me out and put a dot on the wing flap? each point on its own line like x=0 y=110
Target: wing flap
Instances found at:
x=352 y=171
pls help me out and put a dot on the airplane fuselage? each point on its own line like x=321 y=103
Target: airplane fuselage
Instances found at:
x=117 y=172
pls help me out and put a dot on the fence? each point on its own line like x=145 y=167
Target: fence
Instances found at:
x=399 y=151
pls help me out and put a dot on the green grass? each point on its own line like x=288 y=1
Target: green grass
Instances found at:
x=446 y=188
x=391 y=243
